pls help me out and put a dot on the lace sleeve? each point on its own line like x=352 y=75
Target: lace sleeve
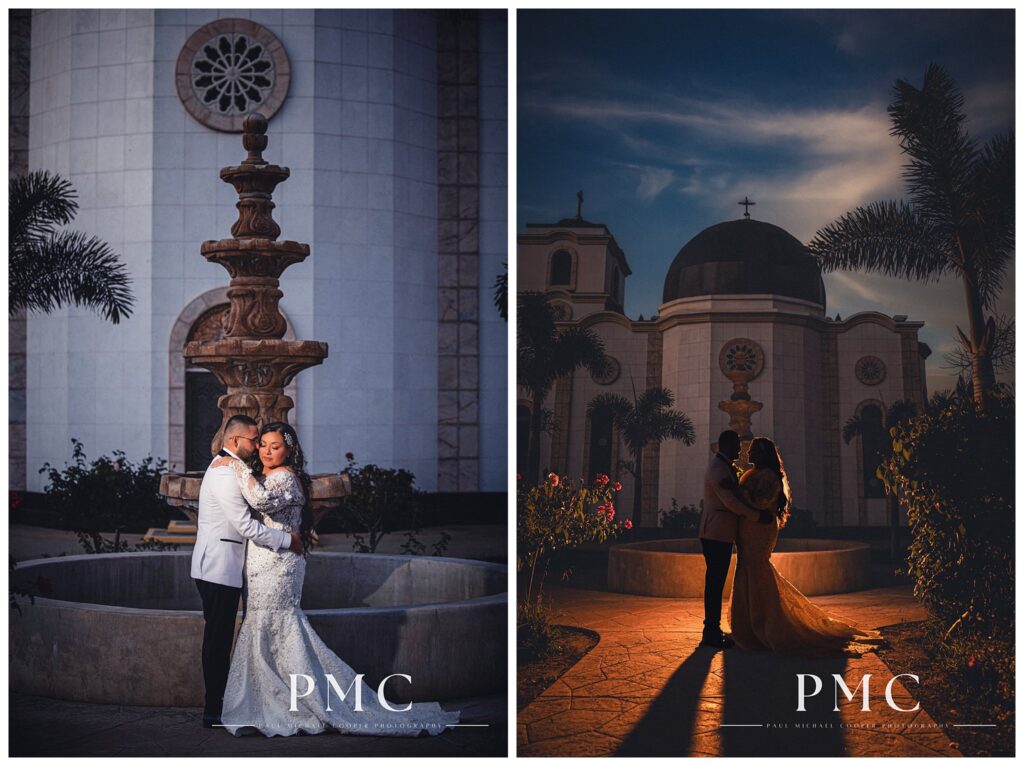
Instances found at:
x=258 y=498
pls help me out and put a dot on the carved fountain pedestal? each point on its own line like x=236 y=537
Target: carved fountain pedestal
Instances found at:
x=252 y=360
x=741 y=360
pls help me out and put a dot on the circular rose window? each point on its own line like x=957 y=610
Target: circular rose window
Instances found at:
x=741 y=357
x=229 y=68
x=870 y=370
x=611 y=373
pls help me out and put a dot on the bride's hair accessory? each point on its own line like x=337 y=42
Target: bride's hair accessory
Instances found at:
x=288 y=439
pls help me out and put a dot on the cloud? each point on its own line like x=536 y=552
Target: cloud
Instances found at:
x=653 y=181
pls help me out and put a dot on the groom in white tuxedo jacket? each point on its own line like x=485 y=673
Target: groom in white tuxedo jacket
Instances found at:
x=219 y=557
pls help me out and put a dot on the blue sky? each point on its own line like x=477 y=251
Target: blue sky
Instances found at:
x=666 y=119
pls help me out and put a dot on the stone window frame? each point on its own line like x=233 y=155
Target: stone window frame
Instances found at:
x=574 y=261
x=177 y=371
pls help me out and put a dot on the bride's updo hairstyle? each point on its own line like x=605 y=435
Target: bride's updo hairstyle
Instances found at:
x=297 y=462
x=765 y=455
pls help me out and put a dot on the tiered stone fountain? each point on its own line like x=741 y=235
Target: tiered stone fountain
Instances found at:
x=126 y=628
x=252 y=359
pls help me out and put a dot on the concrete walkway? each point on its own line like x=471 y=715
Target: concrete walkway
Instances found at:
x=648 y=689
x=48 y=727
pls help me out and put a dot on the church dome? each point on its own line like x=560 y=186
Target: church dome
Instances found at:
x=744 y=257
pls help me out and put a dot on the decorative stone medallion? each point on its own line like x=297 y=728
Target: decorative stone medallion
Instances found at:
x=229 y=68
x=741 y=357
x=612 y=372
x=870 y=370
x=562 y=311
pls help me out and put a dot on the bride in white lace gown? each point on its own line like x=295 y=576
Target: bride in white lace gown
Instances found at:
x=277 y=640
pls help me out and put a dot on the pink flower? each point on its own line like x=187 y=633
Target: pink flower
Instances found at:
x=611 y=511
x=628 y=524
x=553 y=478
x=349 y=456
x=616 y=486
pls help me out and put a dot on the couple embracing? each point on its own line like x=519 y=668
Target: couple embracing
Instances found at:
x=767 y=612
x=252 y=541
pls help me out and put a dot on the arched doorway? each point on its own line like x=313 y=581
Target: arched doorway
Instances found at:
x=192 y=397
x=202 y=390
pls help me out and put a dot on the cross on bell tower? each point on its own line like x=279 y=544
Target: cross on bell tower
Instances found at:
x=746 y=207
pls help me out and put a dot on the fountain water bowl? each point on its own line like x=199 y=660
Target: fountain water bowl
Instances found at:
x=675 y=568
x=127 y=628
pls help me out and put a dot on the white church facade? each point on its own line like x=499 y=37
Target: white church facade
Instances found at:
x=741 y=329
x=394 y=127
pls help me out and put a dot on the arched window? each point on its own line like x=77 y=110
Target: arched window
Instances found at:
x=561 y=268
x=600 y=444
x=522 y=437
x=202 y=390
x=873 y=442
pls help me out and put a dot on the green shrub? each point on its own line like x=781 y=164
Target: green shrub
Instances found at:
x=110 y=495
x=801 y=522
x=954 y=470
x=536 y=637
x=681 y=521
x=384 y=500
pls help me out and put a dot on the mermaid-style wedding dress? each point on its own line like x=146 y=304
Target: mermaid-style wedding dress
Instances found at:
x=767 y=610
x=276 y=639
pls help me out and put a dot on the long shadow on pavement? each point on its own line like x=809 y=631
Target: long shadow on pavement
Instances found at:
x=755 y=708
x=668 y=725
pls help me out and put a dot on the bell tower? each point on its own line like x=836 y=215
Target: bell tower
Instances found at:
x=576 y=261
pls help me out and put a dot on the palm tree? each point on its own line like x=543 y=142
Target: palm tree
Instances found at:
x=49 y=268
x=959 y=219
x=900 y=411
x=646 y=420
x=544 y=353
x=501 y=292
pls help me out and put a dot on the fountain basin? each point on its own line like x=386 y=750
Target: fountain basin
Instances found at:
x=675 y=568
x=128 y=627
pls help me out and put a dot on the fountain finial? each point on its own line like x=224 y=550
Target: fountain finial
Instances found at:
x=254 y=138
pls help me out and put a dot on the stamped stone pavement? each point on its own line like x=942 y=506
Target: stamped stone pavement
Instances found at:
x=647 y=688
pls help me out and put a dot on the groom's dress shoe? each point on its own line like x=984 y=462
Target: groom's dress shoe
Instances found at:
x=209 y=721
x=718 y=642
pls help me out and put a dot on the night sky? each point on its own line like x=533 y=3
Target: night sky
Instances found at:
x=667 y=119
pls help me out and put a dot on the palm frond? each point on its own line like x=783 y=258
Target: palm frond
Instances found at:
x=654 y=398
x=899 y=411
x=853 y=427
x=39 y=202
x=929 y=123
x=616 y=406
x=70 y=267
x=991 y=224
x=579 y=347
x=501 y=293
x=886 y=237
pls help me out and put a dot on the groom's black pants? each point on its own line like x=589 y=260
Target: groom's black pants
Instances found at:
x=220 y=607
x=717 y=555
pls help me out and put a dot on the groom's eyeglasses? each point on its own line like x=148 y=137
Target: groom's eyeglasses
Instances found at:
x=250 y=438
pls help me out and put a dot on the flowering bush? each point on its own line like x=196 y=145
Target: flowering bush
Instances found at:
x=561 y=513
